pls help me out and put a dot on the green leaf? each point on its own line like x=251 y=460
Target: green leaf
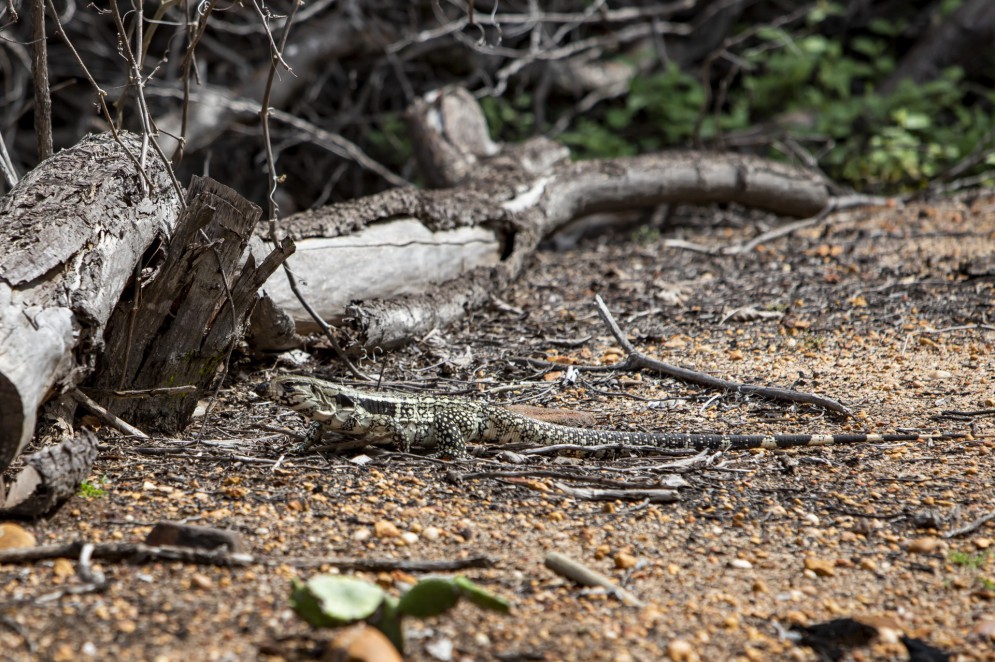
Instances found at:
x=481 y=597
x=912 y=120
x=333 y=600
x=388 y=621
x=429 y=597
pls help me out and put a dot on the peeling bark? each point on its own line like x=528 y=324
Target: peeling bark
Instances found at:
x=72 y=231
x=50 y=477
x=189 y=314
x=520 y=194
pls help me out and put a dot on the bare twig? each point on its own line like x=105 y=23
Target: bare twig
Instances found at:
x=333 y=142
x=972 y=527
x=187 y=67
x=230 y=300
x=102 y=100
x=135 y=74
x=636 y=360
x=39 y=71
x=274 y=210
x=144 y=392
x=591 y=494
x=575 y=571
x=141 y=553
x=948 y=329
x=385 y=565
x=110 y=419
x=7 y=166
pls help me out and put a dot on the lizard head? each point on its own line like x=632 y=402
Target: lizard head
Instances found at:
x=334 y=406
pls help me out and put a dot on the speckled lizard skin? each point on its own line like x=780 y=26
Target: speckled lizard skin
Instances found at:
x=448 y=424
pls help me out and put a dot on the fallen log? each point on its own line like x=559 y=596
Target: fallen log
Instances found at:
x=72 y=231
x=513 y=196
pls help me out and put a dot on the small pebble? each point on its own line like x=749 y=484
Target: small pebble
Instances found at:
x=742 y=564
x=202 y=582
x=680 y=650
x=430 y=533
x=63 y=568
x=385 y=529
x=14 y=536
x=821 y=567
x=625 y=561
x=924 y=545
x=361 y=534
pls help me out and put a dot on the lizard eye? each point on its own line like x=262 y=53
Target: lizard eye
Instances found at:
x=344 y=400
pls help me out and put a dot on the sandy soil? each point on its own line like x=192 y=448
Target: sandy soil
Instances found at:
x=888 y=310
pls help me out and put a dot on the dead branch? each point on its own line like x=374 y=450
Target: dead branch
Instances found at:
x=636 y=360
x=179 y=327
x=592 y=494
x=513 y=195
x=135 y=552
x=581 y=574
x=39 y=73
x=50 y=477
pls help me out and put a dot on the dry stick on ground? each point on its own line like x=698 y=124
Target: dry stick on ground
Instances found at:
x=592 y=494
x=636 y=360
x=136 y=552
x=972 y=527
x=572 y=570
x=110 y=419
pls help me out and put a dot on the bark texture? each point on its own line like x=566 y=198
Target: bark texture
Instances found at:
x=178 y=329
x=519 y=194
x=72 y=231
x=50 y=477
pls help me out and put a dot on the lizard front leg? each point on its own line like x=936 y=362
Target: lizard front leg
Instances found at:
x=452 y=431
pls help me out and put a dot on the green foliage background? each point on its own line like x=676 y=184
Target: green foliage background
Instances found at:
x=804 y=89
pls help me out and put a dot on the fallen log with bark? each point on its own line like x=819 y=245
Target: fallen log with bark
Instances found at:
x=72 y=232
x=108 y=291
x=391 y=267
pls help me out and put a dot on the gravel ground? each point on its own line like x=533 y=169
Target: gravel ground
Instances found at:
x=888 y=310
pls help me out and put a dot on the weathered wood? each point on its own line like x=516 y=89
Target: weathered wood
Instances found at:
x=385 y=261
x=520 y=194
x=190 y=312
x=50 y=477
x=71 y=232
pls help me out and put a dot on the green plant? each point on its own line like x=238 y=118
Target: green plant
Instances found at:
x=335 y=600
x=90 y=490
x=969 y=560
x=512 y=119
x=645 y=235
x=815 y=91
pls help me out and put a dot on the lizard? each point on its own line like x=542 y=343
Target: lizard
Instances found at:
x=449 y=423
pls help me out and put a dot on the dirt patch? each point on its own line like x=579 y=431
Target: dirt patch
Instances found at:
x=888 y=310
